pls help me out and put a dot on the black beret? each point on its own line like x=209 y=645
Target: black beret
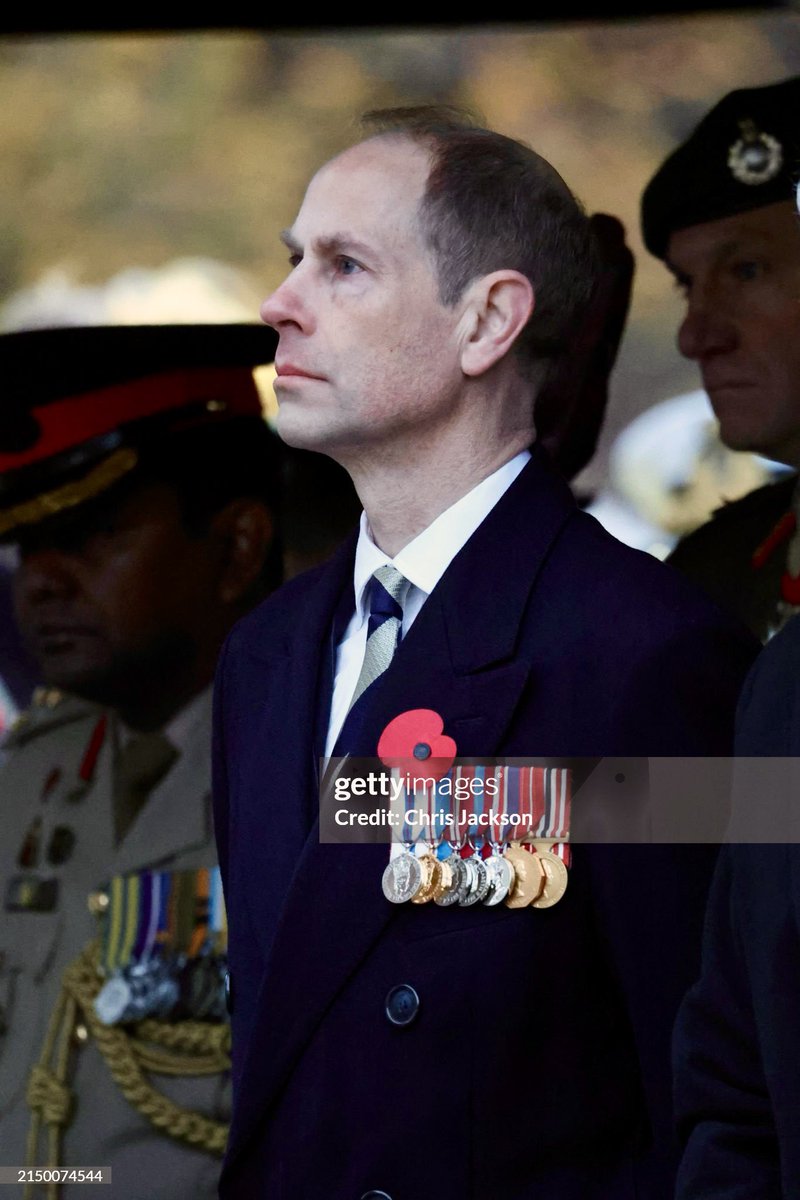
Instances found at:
x=78 y=404
x=744 y=154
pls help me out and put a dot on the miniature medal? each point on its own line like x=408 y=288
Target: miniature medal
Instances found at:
x=111 y=1002
x=477 y=881
x=446 y=880
x=501 y=875
x=431 y=879
x=402 y=878
x=529 y=877
x=457 y=886
x=556 y=879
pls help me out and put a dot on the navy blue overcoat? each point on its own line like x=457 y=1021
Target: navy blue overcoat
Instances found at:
x=536 y=1061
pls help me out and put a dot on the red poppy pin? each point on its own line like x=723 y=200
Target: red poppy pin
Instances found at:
x=414 y=743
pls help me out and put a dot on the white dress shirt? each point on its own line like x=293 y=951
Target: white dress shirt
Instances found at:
x=422 y=562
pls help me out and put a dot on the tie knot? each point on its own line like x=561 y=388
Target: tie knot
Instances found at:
x=387 y=592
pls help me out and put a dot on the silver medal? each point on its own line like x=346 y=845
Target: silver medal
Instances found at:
x=501 y=879
x=401 y=878
x=478 y=884
x=458 y=884
x=112 y=1000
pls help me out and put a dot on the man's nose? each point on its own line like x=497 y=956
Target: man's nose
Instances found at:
x=706 y=330
x=44 y=574
x=286 y=306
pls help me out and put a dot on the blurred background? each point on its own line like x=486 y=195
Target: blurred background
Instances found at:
x=147 y=174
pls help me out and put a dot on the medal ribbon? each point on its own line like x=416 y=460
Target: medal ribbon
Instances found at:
x=158 y=913
x=558 y=810
x=536 y=802
x=461 y=826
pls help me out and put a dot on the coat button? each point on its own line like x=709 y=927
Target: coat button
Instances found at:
x=402 y=1006
x=376 y=1196
x=228 y=992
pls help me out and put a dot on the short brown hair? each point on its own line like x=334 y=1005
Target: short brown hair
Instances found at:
x=492 y=203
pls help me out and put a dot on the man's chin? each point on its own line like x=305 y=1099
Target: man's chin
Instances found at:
x=300 y=431
x=79 y=679
x=744 y=440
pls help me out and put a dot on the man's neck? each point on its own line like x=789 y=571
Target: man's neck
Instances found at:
x=403 y=498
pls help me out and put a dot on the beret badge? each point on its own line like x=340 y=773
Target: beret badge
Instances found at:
x=756 y=157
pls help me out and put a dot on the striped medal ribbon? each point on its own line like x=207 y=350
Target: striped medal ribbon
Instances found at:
x=162 y=934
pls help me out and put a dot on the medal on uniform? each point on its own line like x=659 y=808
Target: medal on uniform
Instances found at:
x=542 y=798
x=478 y=881
x=525 y=804
x=508 y=845
x=437 y=877
x=528 y=877
x=552 y=845
x=402 y=876
x=556 y=876
x=499 y=868
x=163 y=946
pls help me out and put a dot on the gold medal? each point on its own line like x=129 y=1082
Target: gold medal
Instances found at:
x=446 y=880
x=529 y=877
x=431 y=879
x=556 y=879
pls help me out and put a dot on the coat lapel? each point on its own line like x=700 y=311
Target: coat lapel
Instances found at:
x=460 y=658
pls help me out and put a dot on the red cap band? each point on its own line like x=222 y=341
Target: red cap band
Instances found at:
x=77 y=419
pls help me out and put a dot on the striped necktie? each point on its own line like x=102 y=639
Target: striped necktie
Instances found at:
x=388 y=590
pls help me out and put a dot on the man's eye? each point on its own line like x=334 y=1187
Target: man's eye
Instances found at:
x=295 y=259
x=347 y=266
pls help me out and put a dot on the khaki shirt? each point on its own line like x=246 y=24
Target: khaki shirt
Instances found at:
x=173 y=830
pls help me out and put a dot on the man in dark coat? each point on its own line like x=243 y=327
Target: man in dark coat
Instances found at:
x=720 y=213
x=389 y=1050
x=737 y=1039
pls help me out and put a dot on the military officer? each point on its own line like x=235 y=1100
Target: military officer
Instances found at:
x=720 y=213
x=138 y=481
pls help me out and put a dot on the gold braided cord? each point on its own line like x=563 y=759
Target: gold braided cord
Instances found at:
x=70 y=494
x=182 y=1049
x=48 y=1096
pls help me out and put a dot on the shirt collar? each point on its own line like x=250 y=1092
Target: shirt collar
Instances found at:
x=427 y=556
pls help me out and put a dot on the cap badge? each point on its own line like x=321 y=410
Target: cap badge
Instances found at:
x=756 y=157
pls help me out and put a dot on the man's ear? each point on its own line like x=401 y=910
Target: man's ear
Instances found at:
x=496 y=310
x=244 y=532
